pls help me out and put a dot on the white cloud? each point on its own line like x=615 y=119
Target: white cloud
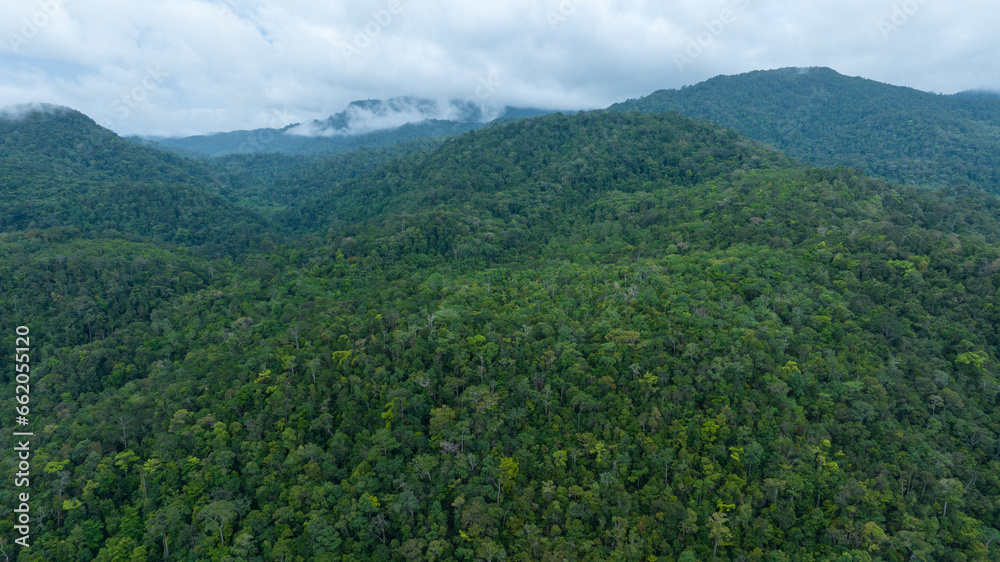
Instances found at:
x=231 y=64
x=15 y=112
x=365 y=117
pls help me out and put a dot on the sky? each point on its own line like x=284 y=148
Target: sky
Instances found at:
x=183 y=67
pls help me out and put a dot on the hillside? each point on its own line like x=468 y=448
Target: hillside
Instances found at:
x=528 y=174
x=603 y=336
x=827 y=119
x=60 y=169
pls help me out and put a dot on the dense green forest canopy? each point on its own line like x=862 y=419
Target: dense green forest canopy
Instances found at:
x=604 y=336
x=60 y=169
x=272 y=182
x=820 y=116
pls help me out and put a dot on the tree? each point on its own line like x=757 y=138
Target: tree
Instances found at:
x=503 y=474
x=219 y=513
x=718 y=529
x=582 y=402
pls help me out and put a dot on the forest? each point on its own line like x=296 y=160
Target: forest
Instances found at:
x=603 y=336
x=828 y=119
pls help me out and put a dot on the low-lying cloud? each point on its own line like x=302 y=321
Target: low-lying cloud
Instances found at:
x=20 y=111
x=367 y=116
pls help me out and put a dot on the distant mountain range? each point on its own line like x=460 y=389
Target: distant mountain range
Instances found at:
x=363 y=124
x=814 y=114
x=828 y=119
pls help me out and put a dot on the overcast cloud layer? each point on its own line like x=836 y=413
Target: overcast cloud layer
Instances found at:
x=181 y=67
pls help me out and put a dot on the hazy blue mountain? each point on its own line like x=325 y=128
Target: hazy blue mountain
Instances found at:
x=825 y=118
x=363 y=124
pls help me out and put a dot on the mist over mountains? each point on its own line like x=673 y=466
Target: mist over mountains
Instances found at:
x=364 y=123
x=978 y=94
x=22 y=111
x=368 y=116
x=814 y=114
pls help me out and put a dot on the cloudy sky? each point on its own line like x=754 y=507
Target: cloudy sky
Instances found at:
x=180 y=67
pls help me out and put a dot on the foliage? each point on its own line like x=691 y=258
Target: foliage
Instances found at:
x=60 y=169
x=822 y=117
x=597 y=337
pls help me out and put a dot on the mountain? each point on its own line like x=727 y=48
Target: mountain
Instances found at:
x=825 y=118
x=478 y=169
x=363 y=124
x=64 y=170
x=603 y=336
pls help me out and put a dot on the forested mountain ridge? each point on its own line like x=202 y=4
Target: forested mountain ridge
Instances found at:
x=828 y=119
x=542 y=164
x=60 y=169
x=603 y=337
x=65 y=141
